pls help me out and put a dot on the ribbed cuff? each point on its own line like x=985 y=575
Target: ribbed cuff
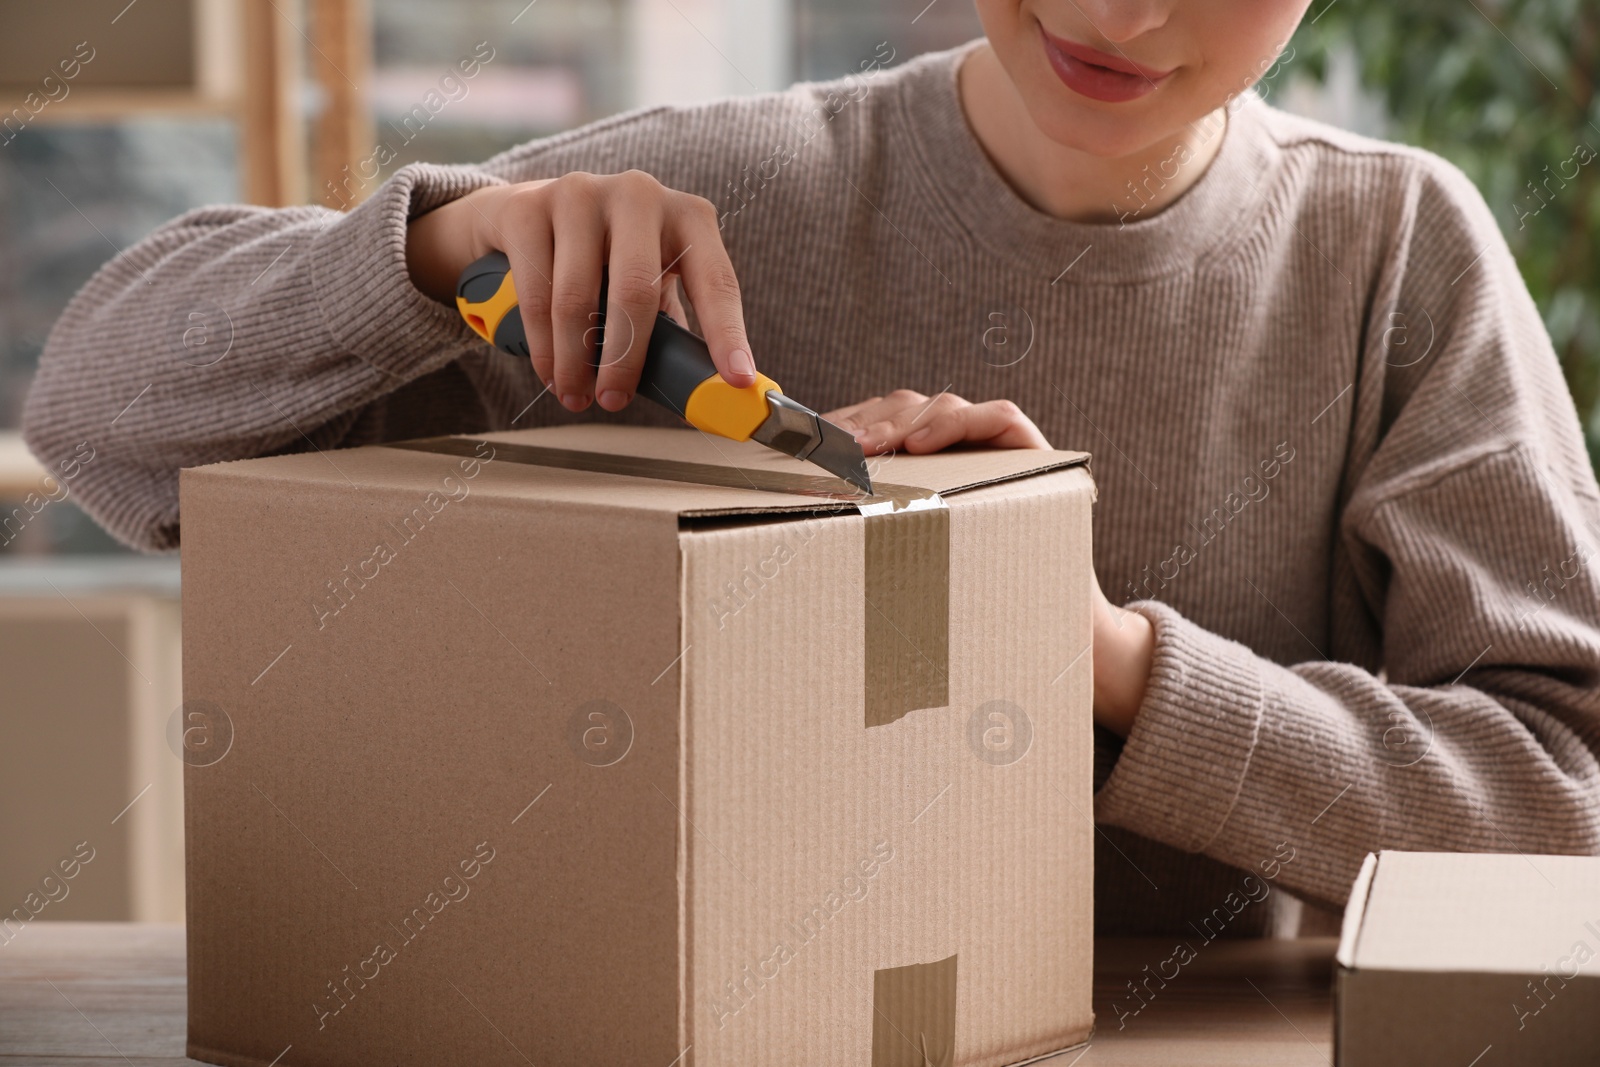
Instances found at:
x=1184 y=762
x=358 y=267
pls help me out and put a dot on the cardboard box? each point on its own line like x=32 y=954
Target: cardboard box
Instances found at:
x=1456 y=959
x=602 y=745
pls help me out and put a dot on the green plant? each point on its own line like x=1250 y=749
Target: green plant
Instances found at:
x=1506 y=90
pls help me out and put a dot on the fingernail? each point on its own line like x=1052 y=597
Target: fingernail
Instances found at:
x=740 y=362
x=920 y=436
x=573 y=401
x=613 y=399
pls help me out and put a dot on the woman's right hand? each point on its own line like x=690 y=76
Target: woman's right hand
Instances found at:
x=558 y=233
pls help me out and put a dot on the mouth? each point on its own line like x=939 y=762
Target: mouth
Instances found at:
x=1100 y=75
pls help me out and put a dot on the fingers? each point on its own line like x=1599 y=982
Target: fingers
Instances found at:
x=911 y=422
x=994 y=423
x=580 y=229
x=633 y=295
x=532 y=257
x=878 y=414
x=845 y=417
x=884 y=423
x=712 y=287
x=558 y=234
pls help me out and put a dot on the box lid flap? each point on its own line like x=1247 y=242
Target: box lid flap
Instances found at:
x=1478 y=913
x=682 y=471
x=1355 y=911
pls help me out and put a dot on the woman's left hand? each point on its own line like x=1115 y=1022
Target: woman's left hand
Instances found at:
x=908 y=421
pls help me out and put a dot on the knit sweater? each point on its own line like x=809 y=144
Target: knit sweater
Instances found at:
x=1338 y=467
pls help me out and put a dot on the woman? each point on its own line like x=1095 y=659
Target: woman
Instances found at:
x=1344 y=501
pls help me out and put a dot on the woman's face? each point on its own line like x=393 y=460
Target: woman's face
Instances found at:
x=1112 y=77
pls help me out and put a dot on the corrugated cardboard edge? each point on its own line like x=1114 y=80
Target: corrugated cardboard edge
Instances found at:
x=1355 y=911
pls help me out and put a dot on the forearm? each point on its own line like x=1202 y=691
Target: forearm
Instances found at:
x=234 y=332
x=1233 y=755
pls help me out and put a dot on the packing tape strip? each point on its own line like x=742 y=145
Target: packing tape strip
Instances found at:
x=906 y=587
x=907 y=594
x=914 y=1015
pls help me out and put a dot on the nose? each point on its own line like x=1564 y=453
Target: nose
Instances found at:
x=1120 y=21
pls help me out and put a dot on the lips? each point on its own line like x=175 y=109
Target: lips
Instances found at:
x=1099 y=75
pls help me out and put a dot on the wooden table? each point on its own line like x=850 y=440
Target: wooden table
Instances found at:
x=94 y=994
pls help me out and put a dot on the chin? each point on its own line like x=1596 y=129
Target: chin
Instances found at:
x=1106 y=131
x=1098 y=135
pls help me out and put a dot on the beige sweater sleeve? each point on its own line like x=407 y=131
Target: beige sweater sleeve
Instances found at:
x=237 y=331
x=1471 y=530
x=232 y=332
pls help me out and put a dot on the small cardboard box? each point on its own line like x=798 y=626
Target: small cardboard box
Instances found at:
x=601 y=745
x=1457 y=959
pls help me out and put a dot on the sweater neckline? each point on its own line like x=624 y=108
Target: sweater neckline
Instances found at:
x=1141 y=245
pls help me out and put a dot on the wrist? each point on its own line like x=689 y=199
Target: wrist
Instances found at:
x=1124 y=649
x=443 y=242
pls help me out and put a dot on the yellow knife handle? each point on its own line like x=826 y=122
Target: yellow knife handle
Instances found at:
x=678 y=372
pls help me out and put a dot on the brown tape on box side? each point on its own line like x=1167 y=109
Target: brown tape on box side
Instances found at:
x=914 y=1015
x=907 y=593
x=906 y=579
